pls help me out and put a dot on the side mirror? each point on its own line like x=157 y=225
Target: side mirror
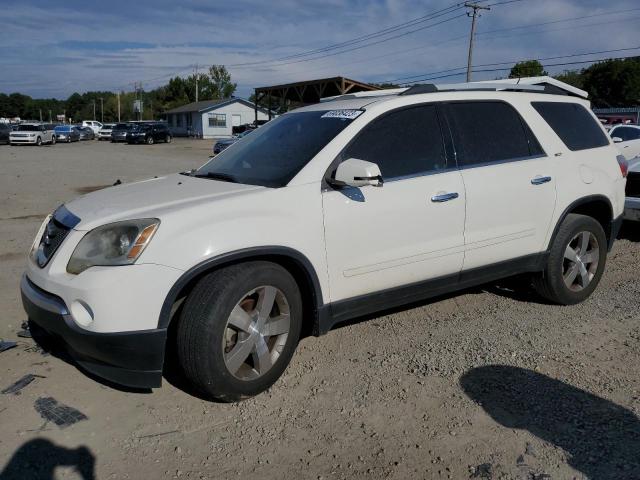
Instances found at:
x=616 y=139
x=358 y=173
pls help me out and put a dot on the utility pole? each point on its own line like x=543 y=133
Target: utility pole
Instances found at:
x=474 y=14
x=101 y=110
x=118 y=107
x=49 y=116
x=196 y=71
x=40 y=110
x=94 y=109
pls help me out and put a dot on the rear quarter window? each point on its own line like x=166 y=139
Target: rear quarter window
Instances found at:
x=573 y=123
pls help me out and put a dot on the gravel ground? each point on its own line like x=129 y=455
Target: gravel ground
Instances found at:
x=487 y=384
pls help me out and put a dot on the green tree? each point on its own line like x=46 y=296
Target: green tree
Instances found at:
x=613 y=83
x=221 y=85
x=527 y=68
x=572 y=77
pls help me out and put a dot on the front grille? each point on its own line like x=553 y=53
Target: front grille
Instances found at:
x=633 y=184
x=53 y=236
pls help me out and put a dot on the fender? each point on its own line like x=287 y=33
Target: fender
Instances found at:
x=582 y=201
x=244 y=254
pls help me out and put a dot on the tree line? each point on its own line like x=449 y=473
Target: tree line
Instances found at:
x=611 y=83
x=214 y=84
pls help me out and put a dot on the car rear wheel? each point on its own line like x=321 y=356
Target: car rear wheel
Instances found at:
x=239 y=329
x=53 y=140
x=168 y=139
x=576 y=261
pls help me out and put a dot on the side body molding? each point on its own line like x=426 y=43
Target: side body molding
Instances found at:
x=273 y=253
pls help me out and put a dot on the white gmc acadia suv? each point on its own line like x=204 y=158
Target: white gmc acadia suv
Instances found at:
x=351 y=206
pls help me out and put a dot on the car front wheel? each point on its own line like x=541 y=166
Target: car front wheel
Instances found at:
x=39 y=141
x=238 y=330
x=576 y=261
x=53 y=140
x=150 y=140
x=168 y=140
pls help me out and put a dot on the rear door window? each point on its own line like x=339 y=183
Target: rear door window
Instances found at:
x=402 y=143
x=488 y=132
x=573 y=123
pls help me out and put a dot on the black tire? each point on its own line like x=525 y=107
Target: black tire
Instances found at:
x=202 y=326
x=150 y=140
x=39 y=141
x=168 y=139
x=53 y=140
x=550 y=283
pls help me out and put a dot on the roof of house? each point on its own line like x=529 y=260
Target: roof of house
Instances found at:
x=210 y=105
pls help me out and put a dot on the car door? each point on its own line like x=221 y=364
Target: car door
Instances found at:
x=630 y=144
x=510 y=189
x=410 y=229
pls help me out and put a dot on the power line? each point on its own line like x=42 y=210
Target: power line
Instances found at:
x=539 y=59
x=392 y=29
x=595 y=60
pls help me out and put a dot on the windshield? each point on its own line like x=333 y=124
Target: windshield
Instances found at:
x=26 y=128
x=62 y=128
x=273 y=154
x=122 y=126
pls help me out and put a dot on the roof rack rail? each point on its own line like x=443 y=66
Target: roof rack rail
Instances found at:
x=471 y=87
x=546 y=85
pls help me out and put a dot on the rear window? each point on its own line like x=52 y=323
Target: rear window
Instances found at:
x=62 y=128
x=487 y=132
x=573 y=123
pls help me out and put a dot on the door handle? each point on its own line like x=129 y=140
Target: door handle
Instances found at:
x=540 y=180
x=444 y=197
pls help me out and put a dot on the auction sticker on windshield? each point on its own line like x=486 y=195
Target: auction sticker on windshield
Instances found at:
x=348 y=114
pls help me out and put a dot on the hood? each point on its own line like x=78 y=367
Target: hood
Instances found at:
x=151 y=198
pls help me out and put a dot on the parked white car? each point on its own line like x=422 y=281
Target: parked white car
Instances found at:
x=327 y=213
x=93 y=125
x=105 y=131
x=627 y=139
x=32 y=134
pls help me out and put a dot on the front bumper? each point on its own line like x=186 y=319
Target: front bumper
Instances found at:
x=632 y=209
x=136 y=139
x=133 y=358
x=22 y=140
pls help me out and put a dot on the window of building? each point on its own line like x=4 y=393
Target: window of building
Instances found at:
x=217 y=120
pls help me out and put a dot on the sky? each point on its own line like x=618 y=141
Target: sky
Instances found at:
x=55 y=48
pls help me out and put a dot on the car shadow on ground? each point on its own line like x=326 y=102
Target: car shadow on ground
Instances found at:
x=38 y=459
x=630 y=231
x=602 y=439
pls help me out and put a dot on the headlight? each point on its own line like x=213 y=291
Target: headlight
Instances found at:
x=119 y=243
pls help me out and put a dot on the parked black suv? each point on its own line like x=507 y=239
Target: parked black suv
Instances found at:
x=148 y=133
x=119 y=132
x=5 y=129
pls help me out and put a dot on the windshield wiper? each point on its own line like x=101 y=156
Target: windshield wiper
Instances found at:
x=217 y=176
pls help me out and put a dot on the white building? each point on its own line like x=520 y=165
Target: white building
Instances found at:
x=213 y=118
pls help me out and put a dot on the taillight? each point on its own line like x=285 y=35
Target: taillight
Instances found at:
x=624 y=165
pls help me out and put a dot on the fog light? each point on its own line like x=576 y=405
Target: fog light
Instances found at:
x=81 y=313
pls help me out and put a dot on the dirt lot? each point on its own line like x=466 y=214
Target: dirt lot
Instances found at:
x=487 y=384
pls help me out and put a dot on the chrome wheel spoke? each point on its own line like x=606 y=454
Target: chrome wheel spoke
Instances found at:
x=584 y=275
x=239 y=354
x=584 y=242
x=571 y=275
x=276 y=326
x=591 y=256
x=262 y=356
x=240 y=319
x=570 y=254
x=267 y=297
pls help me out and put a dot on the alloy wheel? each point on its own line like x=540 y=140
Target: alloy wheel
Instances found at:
x=256 y=332
x=581 y=258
